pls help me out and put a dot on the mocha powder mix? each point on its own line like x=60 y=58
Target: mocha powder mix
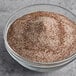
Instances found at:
x=43 y=37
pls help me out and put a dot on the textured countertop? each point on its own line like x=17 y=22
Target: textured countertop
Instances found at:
x=8 y=66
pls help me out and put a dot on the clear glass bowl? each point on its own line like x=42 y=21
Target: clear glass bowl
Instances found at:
x=40 y=67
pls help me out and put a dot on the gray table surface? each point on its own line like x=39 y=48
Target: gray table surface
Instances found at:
x=8 y=66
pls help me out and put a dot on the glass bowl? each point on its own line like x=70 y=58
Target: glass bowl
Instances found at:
x=40 y=67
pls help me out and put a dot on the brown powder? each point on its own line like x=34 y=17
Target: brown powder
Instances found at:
x=43 y=37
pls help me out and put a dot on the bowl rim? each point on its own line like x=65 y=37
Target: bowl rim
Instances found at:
x=25 y=59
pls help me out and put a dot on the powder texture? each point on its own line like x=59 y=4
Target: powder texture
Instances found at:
x=43 y=37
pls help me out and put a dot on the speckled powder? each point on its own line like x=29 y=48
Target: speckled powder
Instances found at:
x=43 y=37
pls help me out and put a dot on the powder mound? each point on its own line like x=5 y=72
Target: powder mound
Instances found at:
x=43 y=37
